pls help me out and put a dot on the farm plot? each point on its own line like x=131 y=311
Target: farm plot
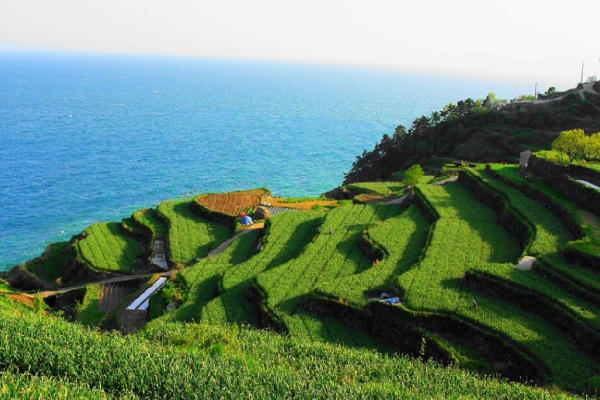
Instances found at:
x=201 y=280
x=380 y=188
x=232 y=203
x=106 y=248
x=328 y=257
x=537 y=214
x=250 y=363
x=288 y=235
x=190 y=236
x=403 y=237
x=277 y=210
x=304 y=203
x=467 y=236
x=149 y=218
x=550 y=236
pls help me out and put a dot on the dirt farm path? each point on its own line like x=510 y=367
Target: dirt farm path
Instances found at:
x=130 y=320
x=226 y=243
x=48 y=293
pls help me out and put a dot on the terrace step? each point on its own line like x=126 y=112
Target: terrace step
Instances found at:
x=277 y=210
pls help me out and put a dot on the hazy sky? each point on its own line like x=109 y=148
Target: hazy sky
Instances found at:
x=525 y=40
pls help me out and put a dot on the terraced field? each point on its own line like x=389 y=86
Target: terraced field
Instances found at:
x=380 y=188
x=466 y=237
x=402 y=238
x=106 y=248
x=190 y=236
x=317 y=276
x=232 y=203
x=438 y=266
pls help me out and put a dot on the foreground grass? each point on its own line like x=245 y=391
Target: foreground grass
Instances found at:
x=172 y=360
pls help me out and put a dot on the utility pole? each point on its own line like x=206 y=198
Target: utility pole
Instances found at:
x=582 y=72
x=535 y=91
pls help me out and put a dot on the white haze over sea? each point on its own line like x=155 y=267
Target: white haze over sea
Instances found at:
x=90 y=137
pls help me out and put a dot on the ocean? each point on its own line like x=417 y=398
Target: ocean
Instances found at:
x=94 y=137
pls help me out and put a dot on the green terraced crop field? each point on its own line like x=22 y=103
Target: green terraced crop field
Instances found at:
x=381 y=188
x=190 y=236
x=315 y=277
x=106 y=248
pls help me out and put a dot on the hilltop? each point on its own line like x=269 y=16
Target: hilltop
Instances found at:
x=394 y=291
x=488 y=130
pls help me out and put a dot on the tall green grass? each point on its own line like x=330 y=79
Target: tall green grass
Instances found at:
x=198 y=361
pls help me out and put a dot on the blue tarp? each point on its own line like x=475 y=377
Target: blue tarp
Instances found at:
x=246 y=220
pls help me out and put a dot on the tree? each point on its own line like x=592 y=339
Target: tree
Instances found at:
x=413 y=175
x=593 y=146
x=572 y=143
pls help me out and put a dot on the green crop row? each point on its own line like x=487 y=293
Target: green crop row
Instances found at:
x=229 y=274
x=546 y=224
x=287 y=235
x=27 y=386
x=106 y=248
x=402 y=236
x=509 y=175
x=551 y=235
x=148 y=217
x=326 y=259
x=583 y=226
x=467 y=236
x=571 y=316
x=381 y=188
x=189 y=236
x=201 y=280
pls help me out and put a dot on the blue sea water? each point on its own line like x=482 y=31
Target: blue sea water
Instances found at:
x=88 y=137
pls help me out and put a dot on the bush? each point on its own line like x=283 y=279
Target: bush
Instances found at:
x=413 y=175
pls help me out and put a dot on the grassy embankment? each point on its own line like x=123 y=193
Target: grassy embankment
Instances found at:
x=174 y=360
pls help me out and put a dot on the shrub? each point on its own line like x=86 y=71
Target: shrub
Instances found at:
x=413 y=175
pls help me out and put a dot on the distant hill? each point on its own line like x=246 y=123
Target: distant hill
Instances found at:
x=486 y=130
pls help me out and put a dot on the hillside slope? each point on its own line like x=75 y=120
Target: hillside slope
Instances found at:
x=478 y=131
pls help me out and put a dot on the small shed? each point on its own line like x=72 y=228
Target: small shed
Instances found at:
x=524 y=159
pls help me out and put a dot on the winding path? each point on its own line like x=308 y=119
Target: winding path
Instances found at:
x=226 y=243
